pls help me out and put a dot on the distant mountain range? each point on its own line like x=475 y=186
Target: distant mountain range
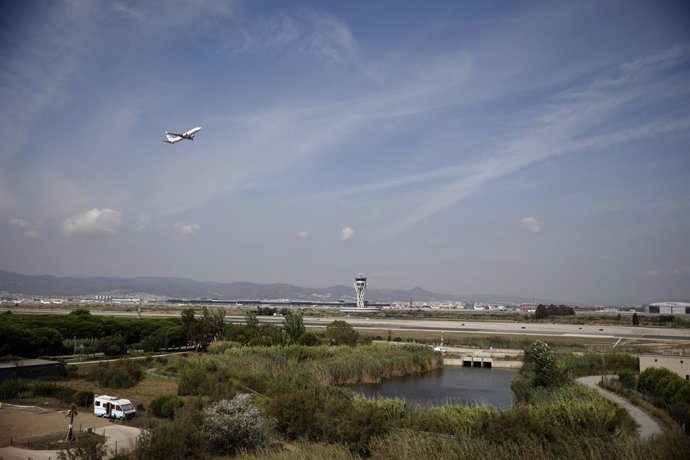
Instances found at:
x=184 y=288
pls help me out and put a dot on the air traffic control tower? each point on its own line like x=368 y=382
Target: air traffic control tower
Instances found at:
x=360 y=287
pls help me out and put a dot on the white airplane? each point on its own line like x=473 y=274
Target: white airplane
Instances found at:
x=173 y=138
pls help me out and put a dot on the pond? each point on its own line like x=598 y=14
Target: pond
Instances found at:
x=455 y=385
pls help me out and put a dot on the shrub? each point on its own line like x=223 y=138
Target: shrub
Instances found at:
x=219 y=346
x=234 y=425
x=12 y=388
x=308 y=339
x=83 y=398
x=341 y=333
x=179 y=439
x=627 y=378
x=118 y=374
x=165 y=406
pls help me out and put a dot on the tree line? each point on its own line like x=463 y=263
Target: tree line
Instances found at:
x=31 y=336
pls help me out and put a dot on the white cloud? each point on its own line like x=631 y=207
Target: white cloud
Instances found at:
x=434 y=242
x=93 y=222
x=347 y=234
x=652 y=273
x=302 y=234
x=29 y=230
x=186 y=229
x=142 y=222
x=532 y=224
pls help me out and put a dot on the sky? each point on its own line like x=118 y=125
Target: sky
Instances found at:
x=528 y=148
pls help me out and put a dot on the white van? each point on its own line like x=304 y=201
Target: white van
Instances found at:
x=113 y=407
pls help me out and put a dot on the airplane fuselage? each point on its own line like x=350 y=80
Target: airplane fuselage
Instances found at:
x=173 y=138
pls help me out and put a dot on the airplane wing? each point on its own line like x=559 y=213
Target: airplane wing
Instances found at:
x=175 y=134
x=171 y=138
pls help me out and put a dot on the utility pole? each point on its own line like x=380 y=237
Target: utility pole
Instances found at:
x=71 y=413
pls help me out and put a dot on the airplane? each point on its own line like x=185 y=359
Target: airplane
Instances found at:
x=173 y=138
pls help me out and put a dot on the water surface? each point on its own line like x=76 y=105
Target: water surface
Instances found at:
x=456 y=385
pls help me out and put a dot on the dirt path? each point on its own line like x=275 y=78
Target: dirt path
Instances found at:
x=22 y=423
x=118 y=438
x=648 y=426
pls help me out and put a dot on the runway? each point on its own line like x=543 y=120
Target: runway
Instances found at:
x=468 y=327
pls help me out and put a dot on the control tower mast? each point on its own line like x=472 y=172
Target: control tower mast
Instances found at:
x=360 y=287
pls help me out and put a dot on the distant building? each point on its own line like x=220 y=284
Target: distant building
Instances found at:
x=528 y=307
x=28 y=368
x=669 y=308
x=676 y=363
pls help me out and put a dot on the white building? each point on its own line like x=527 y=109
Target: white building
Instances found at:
x=669 y=308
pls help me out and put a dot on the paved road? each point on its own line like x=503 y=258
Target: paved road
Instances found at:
x=648 y=426
x=117 y=437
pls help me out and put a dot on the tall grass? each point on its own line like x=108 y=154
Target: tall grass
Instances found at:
x=424 y=447
x=271 y=370
x=598 y=363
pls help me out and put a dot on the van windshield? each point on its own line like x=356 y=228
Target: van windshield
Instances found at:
x=127 y=407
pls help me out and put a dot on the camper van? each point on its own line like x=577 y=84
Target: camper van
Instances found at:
x=113 y=407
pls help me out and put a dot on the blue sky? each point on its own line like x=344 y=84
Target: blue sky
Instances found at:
x=525 y=148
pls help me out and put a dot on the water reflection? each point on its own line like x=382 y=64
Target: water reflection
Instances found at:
x=456 y=385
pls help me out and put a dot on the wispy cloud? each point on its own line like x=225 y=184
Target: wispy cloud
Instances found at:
x=532 y=224
x=35 y=71
x=434 y=242
x=28 y=229
x=142 y=222
x=305 y=33
x=93 y=222
x=302 y=234
x=563 y=127
x=186 y=229
x=288 y=134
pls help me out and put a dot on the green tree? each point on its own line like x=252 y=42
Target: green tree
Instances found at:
x=293 y=325
x=341 y=333
x=635 y=319
x=540 y=312
x=251 y=320
x=543 y=361
x=205 y=329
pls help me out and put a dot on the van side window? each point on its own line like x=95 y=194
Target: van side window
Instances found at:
x=117 y=408
x=97 y=403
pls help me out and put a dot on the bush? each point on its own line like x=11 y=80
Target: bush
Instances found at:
x=627 y=378
x=118 y=374
x=234 y=425
x=12 y=388
x=670 y=387
x=83 y=398
x=165 y=406
x=219 y=346
x=308 y=339
x=180 y=439
x=341 y=333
